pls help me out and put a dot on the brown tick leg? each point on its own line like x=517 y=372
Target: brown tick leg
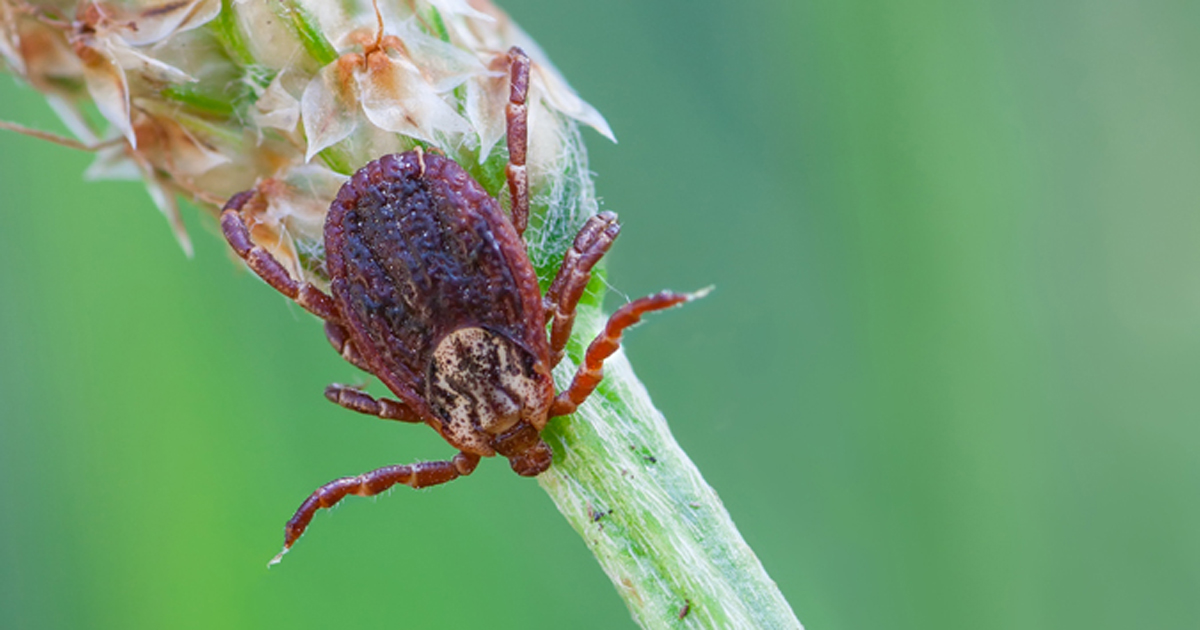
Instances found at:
x=607 y=342
x=563 y=296
x=357 y=400
x=420 y=475
x=518 y=138
x=264 y=264
x=340 y=340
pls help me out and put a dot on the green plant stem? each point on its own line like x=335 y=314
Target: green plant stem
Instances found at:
x=659 y=531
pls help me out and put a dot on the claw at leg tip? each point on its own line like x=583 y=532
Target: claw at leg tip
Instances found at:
x=279 y=556
x=696 y=295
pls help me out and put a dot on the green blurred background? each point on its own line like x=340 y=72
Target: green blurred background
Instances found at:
x=948 y=378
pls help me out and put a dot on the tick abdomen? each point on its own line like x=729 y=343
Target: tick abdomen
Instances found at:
x=418 y=250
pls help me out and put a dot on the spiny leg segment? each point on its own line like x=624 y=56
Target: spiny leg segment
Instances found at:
x=355 y=399
x=421 y=475
x=607 y=342
x=518 y=137
x=561 y=299
x=264 y=264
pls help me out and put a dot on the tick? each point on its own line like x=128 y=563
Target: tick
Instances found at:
x=433 y=292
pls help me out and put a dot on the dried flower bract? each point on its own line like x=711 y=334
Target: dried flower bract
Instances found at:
x=291 y=96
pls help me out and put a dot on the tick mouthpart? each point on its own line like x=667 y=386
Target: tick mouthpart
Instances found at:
x=532 y=461
x=516 y=440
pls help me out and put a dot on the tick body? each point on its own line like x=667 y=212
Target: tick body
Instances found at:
x=433 y=292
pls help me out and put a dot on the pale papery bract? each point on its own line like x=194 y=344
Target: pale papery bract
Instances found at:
x=133 y=60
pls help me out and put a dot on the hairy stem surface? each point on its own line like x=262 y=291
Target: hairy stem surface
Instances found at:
x=659 y=531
